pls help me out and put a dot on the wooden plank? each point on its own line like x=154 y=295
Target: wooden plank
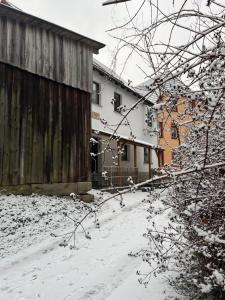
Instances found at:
x=17 y=134
x=64 y=137
x=40 y=129
x=45 y=54
x=36 y=162
x=78 y=65
x=72 y=165
x=14 y=139
x=51 y=55
x=45 y=130
x=38 y=53
x=2 y=109
x=6 y=149
x=31 y=48
x=16 y=50
x=29 y=131
x=59 y=134
x=50 y=131
x=45 y=112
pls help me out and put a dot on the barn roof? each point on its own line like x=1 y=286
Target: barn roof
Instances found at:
x=13 y=13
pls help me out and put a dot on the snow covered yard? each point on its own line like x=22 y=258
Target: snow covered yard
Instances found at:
x=33 y=266
x=28 y=220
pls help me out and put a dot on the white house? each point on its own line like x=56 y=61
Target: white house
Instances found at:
x=132 y=151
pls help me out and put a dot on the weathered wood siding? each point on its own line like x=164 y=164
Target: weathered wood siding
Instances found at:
x=45 y=53
x=44 y=130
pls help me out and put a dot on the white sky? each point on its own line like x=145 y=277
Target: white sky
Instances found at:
x=90 y=18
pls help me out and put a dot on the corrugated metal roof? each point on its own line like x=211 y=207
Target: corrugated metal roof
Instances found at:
x=13 y=13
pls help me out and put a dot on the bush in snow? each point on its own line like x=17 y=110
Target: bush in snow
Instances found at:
x=193 y=53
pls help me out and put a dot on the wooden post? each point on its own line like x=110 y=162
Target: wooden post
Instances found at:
x=149 y=162
x=135 y=156
x=119 y=155
x=135 y=163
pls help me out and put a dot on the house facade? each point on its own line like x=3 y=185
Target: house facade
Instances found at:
x=45 y=105
x=174 y=111
x=121 y=146
x=171 y=132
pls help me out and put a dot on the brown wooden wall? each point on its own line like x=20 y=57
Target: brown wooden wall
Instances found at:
x=45 y=53
x=44 y=130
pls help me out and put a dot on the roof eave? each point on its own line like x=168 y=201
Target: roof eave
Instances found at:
x=101 y=70
x=35 y=21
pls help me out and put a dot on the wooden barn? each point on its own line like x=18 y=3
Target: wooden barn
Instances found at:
x=45 y=105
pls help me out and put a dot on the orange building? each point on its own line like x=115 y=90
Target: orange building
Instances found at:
x=171 y=131
x=173 y=113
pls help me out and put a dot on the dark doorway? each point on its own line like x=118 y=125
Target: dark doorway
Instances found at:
x=94 y=155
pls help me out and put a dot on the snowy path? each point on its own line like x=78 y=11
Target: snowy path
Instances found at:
x=100 y=269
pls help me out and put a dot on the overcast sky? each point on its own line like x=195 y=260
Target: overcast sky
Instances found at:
x=90 y=18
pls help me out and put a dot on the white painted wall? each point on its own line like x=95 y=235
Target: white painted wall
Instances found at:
x=136 y=119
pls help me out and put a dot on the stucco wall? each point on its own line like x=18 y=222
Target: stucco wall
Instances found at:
x=136 y=120
x=167 y=142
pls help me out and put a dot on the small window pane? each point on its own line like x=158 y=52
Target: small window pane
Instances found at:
x=173 y=154
x=96 y=93
x=117 y=101
x=126 y=153
x=173 y=105
x=174 y=132
x=149 y=116
x=161 y=158
x=161 y=129
x=146 y=155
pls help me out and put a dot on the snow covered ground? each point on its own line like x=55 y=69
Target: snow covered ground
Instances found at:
x=33 y=266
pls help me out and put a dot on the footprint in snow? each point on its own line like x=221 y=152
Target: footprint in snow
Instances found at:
x=59 y=277
x=34 y=277
x=5 y=288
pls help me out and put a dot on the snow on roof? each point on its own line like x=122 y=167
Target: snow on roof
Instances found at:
x=126 y=138
x=100 y=67
x=143 y=88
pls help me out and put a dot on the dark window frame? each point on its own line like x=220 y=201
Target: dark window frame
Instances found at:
x=173 y=154
x=96 y=94
x=161 y=158
x=146 y=155
x=174 y=132
x=125 y=156
x=174 y=105
x=149 y=117
x=161 y=129
x=117 y=101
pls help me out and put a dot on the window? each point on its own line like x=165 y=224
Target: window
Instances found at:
x=117 y=101
x=126 y=153
x=160 y=99
x=146 y=155
x=174 y=131
x=174 y=105
x=96 y=93
x=161 y=158
x=173 y=154
x=192 y=104
x=161 y=129
x=149 y=116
